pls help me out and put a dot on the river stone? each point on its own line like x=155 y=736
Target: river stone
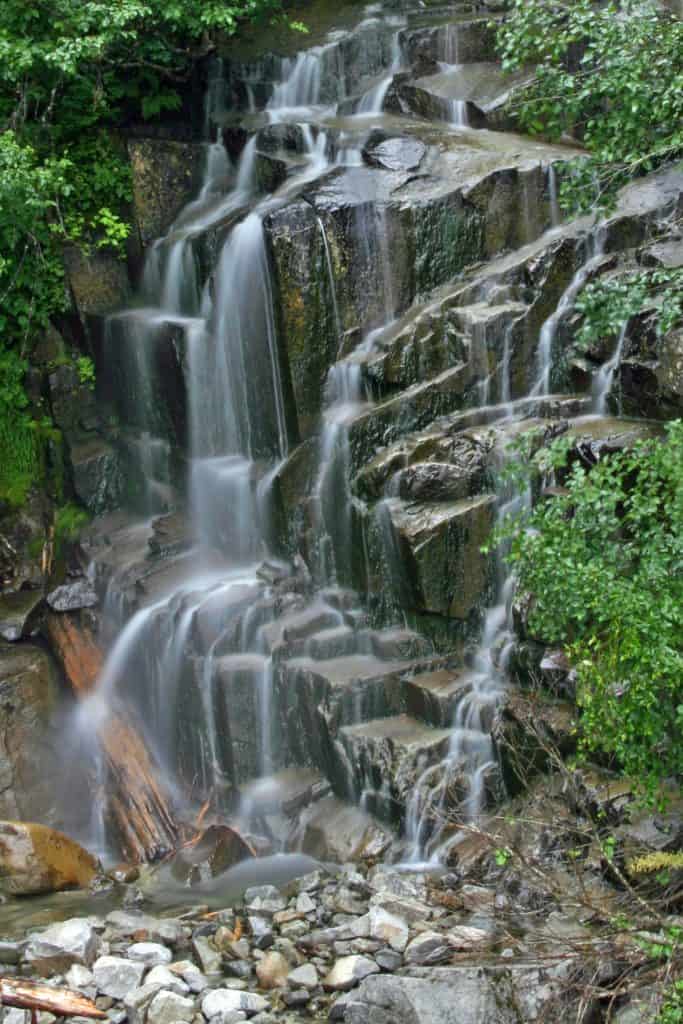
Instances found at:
x=77 y=976
x=427 y=948
x=304 y=904
x=162 y=930
x=349 y=971
x=464 y=937
x=136 y=1002
x=54 y=950
x=165 y=978
x=272 y=971
x=305 y=976
x=116 y=976
x=388 y=928
x=264 y=899
x=35 y=858
x=191 y=975
x=168 y=1007
x=208 y=957
x=72 y=596
x=149 y=953
x=225 y=1000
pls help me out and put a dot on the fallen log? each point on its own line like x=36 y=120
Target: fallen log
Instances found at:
x=138 y=806
x=30 y=995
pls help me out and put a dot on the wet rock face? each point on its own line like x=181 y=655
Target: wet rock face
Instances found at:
x=99 y=282
x=165 y=177
x=36 y=859
x=30 y=757
x=441 y=544
x=395 y=154
x=98 y=479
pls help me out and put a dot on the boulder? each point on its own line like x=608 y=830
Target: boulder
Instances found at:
x=115 y=976
x=338 y=833
x=35 y=858
x=149 y=953
x=272 y=970
x=57 y=948
x=168 y=1008
x=388 y=928
x=348 y=972
x=69 y=597
x=466 y=995
x=226 y=1000
x=428 y=948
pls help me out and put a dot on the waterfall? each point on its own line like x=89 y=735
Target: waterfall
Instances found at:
x=594 y=247
x=604 y=378
x=209 y=658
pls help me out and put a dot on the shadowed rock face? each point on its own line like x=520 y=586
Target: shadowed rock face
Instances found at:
x=29 y=733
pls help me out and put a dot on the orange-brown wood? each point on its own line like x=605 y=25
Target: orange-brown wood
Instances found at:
x=30 y=995
x=138 y=804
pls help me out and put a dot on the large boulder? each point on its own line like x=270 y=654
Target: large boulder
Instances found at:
x=462 y=995
x=59 y=947
x=35 y=858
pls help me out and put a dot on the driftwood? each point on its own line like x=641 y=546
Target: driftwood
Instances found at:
x=29 y=995
x=138 y=806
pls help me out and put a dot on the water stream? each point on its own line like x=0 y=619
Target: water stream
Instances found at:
x=202 y=657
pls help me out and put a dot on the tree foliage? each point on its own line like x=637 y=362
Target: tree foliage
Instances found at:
x=611 y=74
x=609 y=303
x=603 y=563
x=72 y=72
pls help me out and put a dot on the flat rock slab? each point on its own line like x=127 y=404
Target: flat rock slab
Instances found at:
x=398 y=154
x=459 y=995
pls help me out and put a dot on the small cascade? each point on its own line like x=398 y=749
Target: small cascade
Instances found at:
x=333 y=288
x=457 y=790
x=459 y=116
x=593 y=255
x=331 y=498
x=372 y=102
x=603 y=380
x=555 y=213
x=301 y=81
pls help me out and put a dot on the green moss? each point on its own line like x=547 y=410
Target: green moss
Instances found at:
x=19 y=458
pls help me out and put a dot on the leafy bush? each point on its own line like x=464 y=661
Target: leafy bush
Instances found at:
x=71 y=73
x=603 y=562
x=606 y=305
x=611 y=73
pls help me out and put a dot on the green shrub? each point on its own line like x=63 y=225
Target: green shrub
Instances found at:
x=603 y=562
x=602 y=70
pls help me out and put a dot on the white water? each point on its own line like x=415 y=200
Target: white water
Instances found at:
x=239 y=437
x=594 y=253
x=604 y=378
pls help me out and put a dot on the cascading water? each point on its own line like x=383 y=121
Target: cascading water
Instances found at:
x=594 y=247
x=208 y=647
x=604 y=378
